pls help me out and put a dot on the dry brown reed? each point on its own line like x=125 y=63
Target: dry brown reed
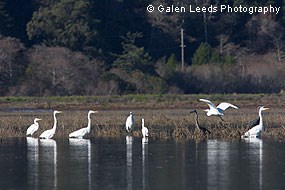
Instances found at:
x=162 y=124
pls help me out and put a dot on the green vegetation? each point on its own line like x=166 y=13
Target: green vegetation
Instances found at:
x=139 y=101
x=64 y=23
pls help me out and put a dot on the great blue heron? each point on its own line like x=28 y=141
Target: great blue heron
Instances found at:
x=200 y=128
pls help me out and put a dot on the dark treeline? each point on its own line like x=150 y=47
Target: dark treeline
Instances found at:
x=103 y=47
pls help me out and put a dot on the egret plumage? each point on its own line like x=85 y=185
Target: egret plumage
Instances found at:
x=130 y=122
x=217 y=110
x=144 y=130
x=80 y=133
x=256 y=131
x=200 y=128
x=33 y=128
x=48 y=134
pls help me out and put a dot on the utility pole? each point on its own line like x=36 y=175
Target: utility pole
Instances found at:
x=182 y=49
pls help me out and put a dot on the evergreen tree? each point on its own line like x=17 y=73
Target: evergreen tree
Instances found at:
x=5 y=19
x=67 y=23
x=133 y=57
x=202 y=55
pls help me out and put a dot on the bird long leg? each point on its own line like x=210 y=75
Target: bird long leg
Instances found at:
x=222 y=122
x=221 y=118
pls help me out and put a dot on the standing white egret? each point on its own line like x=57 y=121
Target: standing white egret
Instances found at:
x=144 y=130
x=219 y=110
x=48 y=134
x=130 y=122
x=256 y=130
x=80 y=133
x=33 y=128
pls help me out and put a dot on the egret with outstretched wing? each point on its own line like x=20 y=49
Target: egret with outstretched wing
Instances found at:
x=217 y=110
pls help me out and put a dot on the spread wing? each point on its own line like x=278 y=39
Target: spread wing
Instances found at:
x=210 y=104
x=225 y=105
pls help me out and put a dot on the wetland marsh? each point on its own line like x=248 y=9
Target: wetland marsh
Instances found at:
x=165 y=116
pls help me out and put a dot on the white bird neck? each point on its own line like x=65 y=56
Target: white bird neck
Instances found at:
x=89 y=122
x=54 y=121
x=260 y=117
x=142 y=123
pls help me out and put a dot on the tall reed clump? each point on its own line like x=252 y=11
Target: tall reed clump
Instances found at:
x=162 y=124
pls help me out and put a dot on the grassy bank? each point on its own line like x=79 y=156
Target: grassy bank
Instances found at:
x=166 y=116
x=145 y=101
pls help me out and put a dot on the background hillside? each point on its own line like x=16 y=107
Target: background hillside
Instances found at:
x=109 y=47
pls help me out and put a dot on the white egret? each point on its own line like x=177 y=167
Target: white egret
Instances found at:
x=219 y=110
x=144 y=130
x=256 y=130
x=82 y=132
x=48 y=134
x=33 y=128
x=130 y=122
x=200 y=128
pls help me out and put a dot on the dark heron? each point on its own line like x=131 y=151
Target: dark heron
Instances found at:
x=200 y=128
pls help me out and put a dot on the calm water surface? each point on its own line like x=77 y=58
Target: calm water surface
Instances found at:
x=129 y=163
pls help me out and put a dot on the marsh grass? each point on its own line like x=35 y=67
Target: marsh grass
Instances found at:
x=140 y=101
x=162 y=124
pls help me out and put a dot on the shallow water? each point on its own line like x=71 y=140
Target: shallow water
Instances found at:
x=129 y=163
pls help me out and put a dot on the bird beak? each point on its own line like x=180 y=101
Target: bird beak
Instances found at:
x=39 y=119
x=265 y=108
x=205 y=110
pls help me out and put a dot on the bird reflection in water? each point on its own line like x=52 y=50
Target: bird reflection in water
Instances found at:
x=83 y=145
x=256 y=156
x=144 y=161
x=48 y=153
x=129 y=143
x=218 y=156
x=33 y=161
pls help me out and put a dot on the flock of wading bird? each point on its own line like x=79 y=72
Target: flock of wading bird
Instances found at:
x=254 y=132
